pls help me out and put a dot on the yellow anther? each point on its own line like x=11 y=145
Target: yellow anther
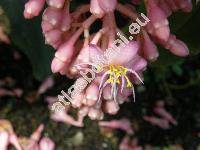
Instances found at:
x=129 y=84
x=116 y=72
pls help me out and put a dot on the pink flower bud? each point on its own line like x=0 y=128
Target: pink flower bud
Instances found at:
x=95 y=114
x=95 y=9
x=4 y=139
x=166 y=115
x=46 y=84
x=185 y=5
x=46 y=144
x=37 y=133
x=13 y=139
x=57 y=65
x=149 y=48
x=92 y=93
x=111 y=107
x=53 y=16
x=107 y=93
x=108 y=5
x=53 y=36
x=56 y=3
x=33 y=8
x=46 y=26
x=165 y=7
x=66 y=50
x=162 y=123
x=77 y=100
x=158 y=20
x=66 y=22
x=83 y=111
x=172 y=5
x=5 y=92
x=18 y=92
x=30 y=145
x=62 y=116
x=124 y=145
x=177 y=47
x=84 y=55
x=122 y=124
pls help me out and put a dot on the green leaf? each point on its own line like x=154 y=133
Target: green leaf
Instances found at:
x=27 y=36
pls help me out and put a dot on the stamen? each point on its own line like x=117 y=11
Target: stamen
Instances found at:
x=115 y=93
x=116 y=73
x=135 y=73
x=103 y=77
x=98 y=103
x=123 y=84
x=133 y=93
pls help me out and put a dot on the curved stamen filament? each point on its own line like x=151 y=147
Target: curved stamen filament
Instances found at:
x=135 y=73
x=118 y=75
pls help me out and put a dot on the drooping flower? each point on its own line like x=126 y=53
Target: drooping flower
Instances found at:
x=77 y=47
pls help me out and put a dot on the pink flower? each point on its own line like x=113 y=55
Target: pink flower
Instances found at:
x=159 y=23
x=162 y=123
x=4 y=140
x=47 y=83
x=149 y=48
x=118 y=71
x=123 y=124
x=177 y=47
x=33 y=8
x=96 y=9
x=56 y=3
x=108 y=6
x=46 y=144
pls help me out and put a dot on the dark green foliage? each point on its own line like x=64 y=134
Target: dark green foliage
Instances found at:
x=27 y=36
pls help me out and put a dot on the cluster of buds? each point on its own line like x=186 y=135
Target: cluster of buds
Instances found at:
x=62 y=29
x=165 y=120
x=34 y=142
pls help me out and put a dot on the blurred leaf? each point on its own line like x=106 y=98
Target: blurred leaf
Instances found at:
x=4 y=21
x=27 y=36
x=198 y=148
x=177 y=69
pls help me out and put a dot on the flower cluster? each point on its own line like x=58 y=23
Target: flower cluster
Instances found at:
x=34 y=142
x=63 y=29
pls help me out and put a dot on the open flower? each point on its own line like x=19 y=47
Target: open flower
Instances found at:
x=117 y=72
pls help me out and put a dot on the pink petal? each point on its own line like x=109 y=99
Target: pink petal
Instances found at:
x=95 y=114
x=66 y=21
x=56 y=3
x=57 y=65
x=46 y=84
x=95 y=9
x=111 y=107
x=46 y=144
x=177 y=47
x=46 y=26
x=53 y=36
x=158 y=20
x=108 y=6
x=4 y=139
x=33 y=8
x=149 y=48
x=126 y=53
x=53 y=16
